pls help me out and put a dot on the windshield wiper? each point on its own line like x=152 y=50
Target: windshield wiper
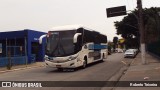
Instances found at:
x=58 y=47
x=62 y=48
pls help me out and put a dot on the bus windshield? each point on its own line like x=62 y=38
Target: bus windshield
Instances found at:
x=60 y=43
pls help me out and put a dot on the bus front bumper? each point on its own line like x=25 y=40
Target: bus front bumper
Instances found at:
x=68 y=64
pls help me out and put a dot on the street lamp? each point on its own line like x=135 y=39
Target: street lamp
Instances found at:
x=133 y=14
x=131 y=26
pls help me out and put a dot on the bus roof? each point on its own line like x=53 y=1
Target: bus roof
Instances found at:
x=67 y=27
x=71 y=27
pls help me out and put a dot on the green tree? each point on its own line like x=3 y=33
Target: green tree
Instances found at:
x=128 y=27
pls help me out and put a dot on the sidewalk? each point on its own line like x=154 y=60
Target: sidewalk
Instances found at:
x=139 y=72
x=21 y=67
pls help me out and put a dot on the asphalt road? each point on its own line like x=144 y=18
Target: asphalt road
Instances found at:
x=101 y=71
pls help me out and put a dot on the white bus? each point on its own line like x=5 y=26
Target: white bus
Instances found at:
x=74 y=46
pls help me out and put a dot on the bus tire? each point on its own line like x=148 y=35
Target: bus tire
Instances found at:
x=84 y=63
x=60 y=69
x=103 y=57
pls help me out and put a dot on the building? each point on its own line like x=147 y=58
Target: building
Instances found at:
x=21 y=47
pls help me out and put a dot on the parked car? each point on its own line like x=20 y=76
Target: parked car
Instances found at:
x=119 y=50
x=135 y=50
x=130 y=53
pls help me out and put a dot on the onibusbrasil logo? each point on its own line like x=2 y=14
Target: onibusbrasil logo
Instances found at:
x=21 y=84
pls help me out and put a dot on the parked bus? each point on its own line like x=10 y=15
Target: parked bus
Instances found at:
x=74 y=46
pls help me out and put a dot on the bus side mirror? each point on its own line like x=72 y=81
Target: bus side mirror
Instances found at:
x=41 y=38
x=76 y=37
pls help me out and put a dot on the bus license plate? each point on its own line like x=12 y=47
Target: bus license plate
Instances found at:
x=58 y=65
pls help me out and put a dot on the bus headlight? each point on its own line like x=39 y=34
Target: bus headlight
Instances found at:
x=71 y=58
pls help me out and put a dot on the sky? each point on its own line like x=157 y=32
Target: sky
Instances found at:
x=42 y=15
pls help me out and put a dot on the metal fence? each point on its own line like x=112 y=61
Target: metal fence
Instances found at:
x=154 y=48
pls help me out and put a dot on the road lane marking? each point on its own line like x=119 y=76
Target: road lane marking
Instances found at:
x=124 y=62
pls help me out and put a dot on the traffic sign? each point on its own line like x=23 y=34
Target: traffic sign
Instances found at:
x=116 y=11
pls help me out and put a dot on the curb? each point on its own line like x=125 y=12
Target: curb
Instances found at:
x=18 y=69
x=118 y=75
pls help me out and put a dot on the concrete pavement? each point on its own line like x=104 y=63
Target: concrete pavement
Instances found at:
x=139 y=72
x=21 y=67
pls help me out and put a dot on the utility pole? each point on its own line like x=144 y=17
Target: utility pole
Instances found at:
x=141 y=30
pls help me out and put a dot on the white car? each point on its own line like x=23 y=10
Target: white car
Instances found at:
x=130 y=53
x=135 y=50
x=119 y=50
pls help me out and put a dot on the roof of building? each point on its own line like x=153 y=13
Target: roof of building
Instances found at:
x=16 y=34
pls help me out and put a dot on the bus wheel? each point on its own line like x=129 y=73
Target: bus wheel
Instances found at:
x=84 y=63
x=60 y=69
x=103 y=58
